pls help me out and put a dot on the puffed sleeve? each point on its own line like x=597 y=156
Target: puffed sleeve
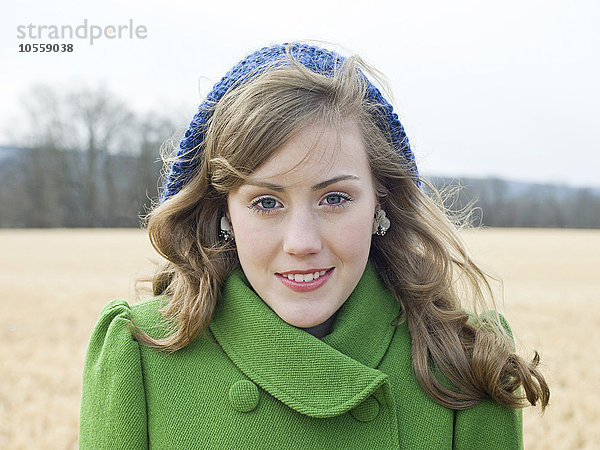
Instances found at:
x=489 y=425
x=113 y=403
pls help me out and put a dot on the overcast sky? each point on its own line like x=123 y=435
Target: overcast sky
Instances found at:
x=508 y=88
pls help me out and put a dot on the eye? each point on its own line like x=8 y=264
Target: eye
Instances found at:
x=335 y=199
x=264 y=205
x=267 y=203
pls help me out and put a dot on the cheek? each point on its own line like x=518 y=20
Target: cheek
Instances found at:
x=253 y=240
x=351 y=238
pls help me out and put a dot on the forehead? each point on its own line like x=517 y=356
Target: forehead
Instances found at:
x=317 y=151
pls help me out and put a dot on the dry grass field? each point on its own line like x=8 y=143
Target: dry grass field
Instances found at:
x=55 y=282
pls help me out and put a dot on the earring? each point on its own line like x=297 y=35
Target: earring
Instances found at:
x=381 y=223
x=226 y=231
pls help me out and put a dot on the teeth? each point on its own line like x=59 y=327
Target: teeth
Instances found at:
x=301 y=278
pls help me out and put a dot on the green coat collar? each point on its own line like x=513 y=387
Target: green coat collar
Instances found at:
x=319 y=378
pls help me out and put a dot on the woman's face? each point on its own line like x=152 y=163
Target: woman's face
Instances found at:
x=303 y=223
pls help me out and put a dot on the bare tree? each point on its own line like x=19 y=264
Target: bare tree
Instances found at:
x=87 y=159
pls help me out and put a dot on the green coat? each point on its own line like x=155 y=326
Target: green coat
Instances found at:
x=256 y=382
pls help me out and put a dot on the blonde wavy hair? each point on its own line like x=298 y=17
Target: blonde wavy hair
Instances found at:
x=421 y=259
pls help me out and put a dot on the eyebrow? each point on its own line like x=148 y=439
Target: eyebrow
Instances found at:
x=316 y=187
x=326 y=183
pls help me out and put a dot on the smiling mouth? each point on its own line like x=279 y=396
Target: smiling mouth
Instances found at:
x=305 y=280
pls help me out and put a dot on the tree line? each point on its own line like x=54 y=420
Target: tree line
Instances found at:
x=85 y=159
x=496 y=202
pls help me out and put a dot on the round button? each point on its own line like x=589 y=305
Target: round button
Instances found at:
x=367 y=410
x=243 y=395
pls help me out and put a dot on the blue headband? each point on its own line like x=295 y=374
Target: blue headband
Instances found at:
x=314 y=58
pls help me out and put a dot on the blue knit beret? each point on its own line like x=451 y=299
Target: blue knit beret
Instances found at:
x=314 y=58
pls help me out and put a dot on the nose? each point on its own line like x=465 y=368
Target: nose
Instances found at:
x=302 y=234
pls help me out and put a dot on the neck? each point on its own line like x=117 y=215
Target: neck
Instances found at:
x=323 y=329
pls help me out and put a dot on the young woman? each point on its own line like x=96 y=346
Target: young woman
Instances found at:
x=313 y=292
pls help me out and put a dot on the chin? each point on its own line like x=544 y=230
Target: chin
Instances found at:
x=304 y=320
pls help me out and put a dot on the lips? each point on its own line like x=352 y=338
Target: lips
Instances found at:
x=305 y=280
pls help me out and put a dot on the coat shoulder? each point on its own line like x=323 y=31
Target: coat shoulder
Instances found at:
x=146 y=315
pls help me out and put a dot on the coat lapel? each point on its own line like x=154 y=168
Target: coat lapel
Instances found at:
x=319 y=378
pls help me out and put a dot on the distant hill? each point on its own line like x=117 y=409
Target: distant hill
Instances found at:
x=513 y=188
x=503 y=203
x=7 y=153
x=57 y=188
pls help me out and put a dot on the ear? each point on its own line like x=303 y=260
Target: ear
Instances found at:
x=223 y=209
x=223 y=221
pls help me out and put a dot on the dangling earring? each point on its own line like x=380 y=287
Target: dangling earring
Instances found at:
x=381 y=223
x=226 y=231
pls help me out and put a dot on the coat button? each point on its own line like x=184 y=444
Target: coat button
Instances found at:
x=243 y=395
x=367 y=410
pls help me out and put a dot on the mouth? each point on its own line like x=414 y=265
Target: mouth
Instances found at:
x=305 y=280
